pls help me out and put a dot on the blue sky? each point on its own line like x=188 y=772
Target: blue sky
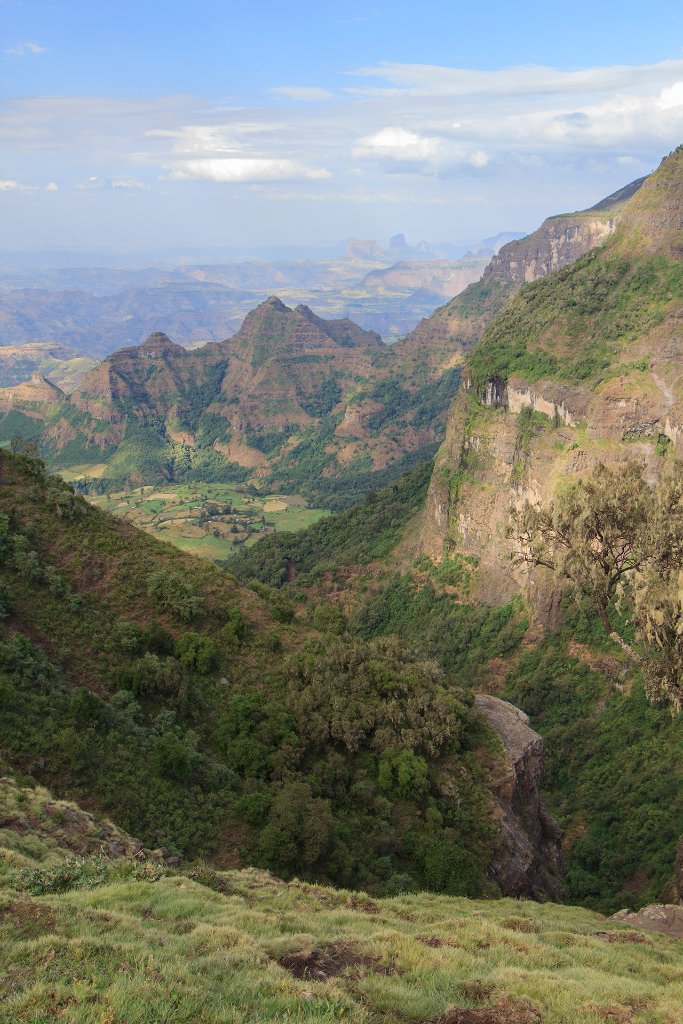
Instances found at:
x=164 y=123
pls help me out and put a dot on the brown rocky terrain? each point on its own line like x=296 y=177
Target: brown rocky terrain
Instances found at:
x=454 y=328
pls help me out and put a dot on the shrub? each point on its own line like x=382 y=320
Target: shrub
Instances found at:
x=197 y=653
x=170 y=593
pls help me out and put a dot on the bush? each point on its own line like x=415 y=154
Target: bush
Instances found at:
x=170 y=593
x=197 y=653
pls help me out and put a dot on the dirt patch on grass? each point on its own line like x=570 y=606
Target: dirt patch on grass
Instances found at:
x=634 y=937
x=434 y=942
x=521 y=924
x=28 y=920
x=505 y=1011
x=331 y=962
x=617 y=1013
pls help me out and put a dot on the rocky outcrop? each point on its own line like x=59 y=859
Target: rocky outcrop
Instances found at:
x=527 y=861
x=36 y=390
x=455 y=327
x=666 y=918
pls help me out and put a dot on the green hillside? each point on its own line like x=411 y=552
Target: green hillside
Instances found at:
x=201 y=717
x=88 y=937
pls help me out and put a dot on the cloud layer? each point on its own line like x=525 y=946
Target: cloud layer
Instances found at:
x=420 y=134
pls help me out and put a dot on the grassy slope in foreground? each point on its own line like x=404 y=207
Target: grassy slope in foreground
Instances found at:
x=125 y=941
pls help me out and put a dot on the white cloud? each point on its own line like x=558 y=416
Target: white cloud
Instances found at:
x=25 y=50
x=129 y=183
x=435 y=80
x=243 y=169
x=197 y=138
x=303 y=93
x=478 y=159
x=397 y=144
x=671 y=97
x=52 y=187
x=98 y=183
x=10 y=185
x=94 y=184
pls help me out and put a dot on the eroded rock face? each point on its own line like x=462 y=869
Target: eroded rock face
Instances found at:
x=528 y=860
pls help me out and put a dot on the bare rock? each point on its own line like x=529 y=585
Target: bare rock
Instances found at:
x=666 y=918
x=527 y=861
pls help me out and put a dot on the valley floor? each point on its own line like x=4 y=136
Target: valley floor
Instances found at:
x=209 y=520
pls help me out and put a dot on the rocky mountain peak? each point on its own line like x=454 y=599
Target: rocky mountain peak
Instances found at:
x=157 y=343
x=274 y=327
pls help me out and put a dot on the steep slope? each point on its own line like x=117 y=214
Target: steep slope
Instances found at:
x=581 y=366
x=203 y=718
x=560 y=241
x=123 y=937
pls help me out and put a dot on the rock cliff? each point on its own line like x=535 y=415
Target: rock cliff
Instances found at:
x=560 y=240
x=581 y=367
x=527 y=860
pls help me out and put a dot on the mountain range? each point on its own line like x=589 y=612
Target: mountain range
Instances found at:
x=275 y=787
x=292 y=401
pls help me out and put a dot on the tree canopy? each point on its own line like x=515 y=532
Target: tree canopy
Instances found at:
x=619 y=540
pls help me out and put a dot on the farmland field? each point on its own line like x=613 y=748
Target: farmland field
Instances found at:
x=209 y=520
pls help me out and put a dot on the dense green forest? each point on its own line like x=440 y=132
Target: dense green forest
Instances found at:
x=581 y=695
x=204 y=718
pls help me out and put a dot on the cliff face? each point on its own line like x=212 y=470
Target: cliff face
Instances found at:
x=527 y=860
x=560 y=240
x=609 y=329
x=37 y=390
x=453 y=329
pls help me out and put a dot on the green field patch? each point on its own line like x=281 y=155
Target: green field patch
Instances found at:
x=209 y=520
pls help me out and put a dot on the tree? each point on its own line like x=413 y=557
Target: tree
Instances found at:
x=170 y=593
x=619 y=541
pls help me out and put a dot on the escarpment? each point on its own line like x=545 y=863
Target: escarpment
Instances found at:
x=581 y=367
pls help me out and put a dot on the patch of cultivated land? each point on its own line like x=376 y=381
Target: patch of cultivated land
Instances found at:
x=209 y=520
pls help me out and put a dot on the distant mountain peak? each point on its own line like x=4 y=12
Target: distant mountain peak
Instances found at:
x=157 y=341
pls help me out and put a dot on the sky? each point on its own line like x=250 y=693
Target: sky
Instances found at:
x=157 y=125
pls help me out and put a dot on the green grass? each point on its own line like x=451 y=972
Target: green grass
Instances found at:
x=572 y=325
x=91 y=940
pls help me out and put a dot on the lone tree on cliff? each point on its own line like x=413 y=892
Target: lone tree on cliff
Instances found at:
x=619 y=541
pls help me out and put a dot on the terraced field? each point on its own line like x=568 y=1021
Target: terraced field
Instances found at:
x=209 y=520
